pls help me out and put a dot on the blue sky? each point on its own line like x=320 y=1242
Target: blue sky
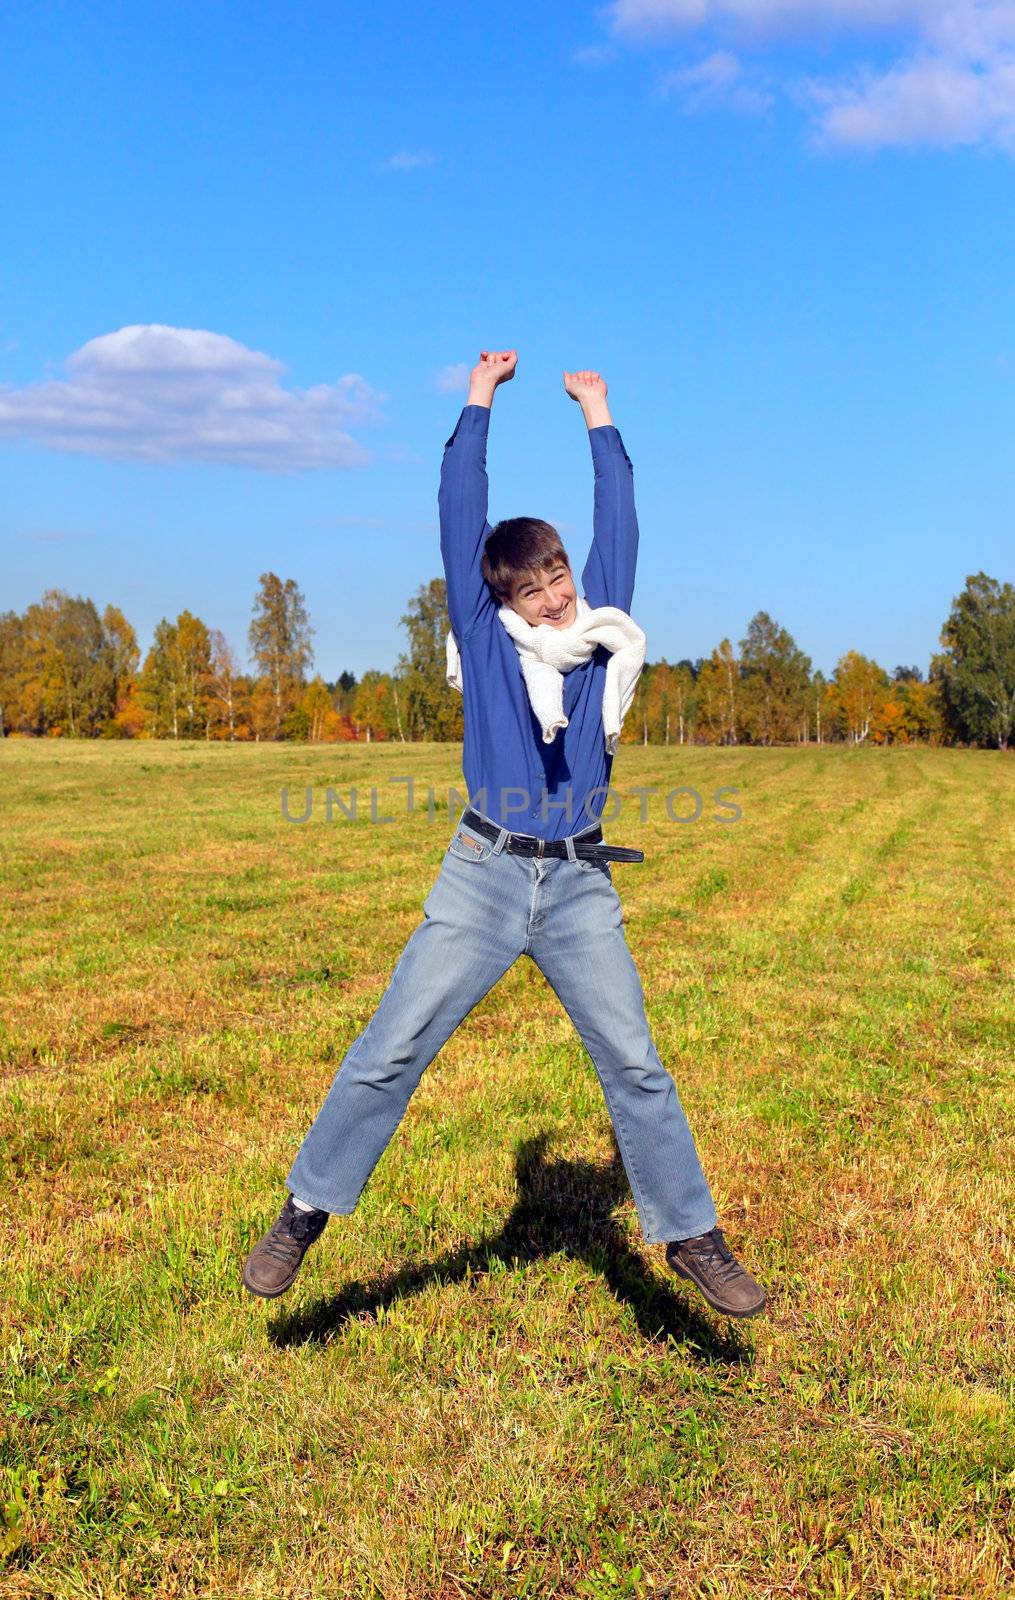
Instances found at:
x=783 y=232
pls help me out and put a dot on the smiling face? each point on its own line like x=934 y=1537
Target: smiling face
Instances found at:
x=546 y=597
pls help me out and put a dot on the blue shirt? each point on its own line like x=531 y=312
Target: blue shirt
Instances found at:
x=530 y=787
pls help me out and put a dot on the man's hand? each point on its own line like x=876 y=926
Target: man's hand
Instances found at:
x=493 y=367
x=589 y=389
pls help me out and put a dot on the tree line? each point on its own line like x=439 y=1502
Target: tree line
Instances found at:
x=68 y=671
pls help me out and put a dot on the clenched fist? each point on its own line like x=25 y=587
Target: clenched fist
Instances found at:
x=585 y=385
x=493 y=367
x=589 y=389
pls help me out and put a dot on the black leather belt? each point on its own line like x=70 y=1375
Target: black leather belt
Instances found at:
x=587 y=848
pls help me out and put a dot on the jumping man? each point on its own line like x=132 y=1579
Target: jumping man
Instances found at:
x=546 y=676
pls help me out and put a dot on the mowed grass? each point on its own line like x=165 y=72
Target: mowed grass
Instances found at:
x=484 y=1382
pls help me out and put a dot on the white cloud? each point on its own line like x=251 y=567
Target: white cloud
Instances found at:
x=645 y=18
x=929 y=101
x=155 y=393
x=951 y=79
x=407 y=160
x=450 y=380
x=715 y=82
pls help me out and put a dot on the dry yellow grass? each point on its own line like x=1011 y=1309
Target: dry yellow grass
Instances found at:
x=484 y=1383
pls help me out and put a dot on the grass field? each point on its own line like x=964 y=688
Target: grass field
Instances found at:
x=484 y=1382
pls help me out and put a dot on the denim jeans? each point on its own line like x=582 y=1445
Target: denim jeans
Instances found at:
x=486 y=908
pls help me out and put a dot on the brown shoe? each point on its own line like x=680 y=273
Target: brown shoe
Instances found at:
x=708 y=1262
x=272 y=1265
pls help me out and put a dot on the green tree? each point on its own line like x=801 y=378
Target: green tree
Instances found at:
x=345 y=691
x=774 y=677
x=296 y=724
x=429 y=708
x=975 y=672
x=279 y=640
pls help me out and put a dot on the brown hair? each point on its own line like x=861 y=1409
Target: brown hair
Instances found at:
x=517 y=547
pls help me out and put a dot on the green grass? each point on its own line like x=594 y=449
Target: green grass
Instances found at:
x=485 y=1383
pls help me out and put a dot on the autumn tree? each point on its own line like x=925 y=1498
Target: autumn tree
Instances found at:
x=636 y=723
x=122 y=655
x=858 y=688
x=661 y=712
x=317 y=708
x=924 y=713
x=975 y=672
x=685 y=701
x=262 y=710
x=718 y=687
x=373 y=708
x=910 y=710
x=344 y=691
x=816 y=709
x=774 y=678
x=64 y=669
x=661 y=701
x=12 y=669
x=78 y=684
x=176 y=679
x=68 y=667
x=225 y=686
x=279 y=640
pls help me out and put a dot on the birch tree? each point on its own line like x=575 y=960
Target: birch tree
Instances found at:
x=279 y=639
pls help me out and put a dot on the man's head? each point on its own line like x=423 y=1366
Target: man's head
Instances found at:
x=527 y=568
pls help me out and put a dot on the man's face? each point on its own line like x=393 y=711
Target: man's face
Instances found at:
x=546 y=597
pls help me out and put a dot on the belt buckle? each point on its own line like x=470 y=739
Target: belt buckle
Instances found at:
x=541 y=848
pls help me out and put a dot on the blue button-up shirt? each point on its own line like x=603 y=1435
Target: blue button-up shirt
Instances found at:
x=530 y=787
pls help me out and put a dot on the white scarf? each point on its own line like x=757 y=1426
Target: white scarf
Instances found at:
x=546 y=653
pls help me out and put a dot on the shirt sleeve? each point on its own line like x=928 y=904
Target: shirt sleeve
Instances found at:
x=462 y=502
x=608 y=575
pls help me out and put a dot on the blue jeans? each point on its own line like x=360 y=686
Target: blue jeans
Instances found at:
x=486 y=908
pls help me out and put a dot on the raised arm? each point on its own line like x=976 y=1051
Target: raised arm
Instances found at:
x=608 y=574
x=464 y=493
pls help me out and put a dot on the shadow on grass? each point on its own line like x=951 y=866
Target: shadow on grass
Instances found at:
x=563 y=1207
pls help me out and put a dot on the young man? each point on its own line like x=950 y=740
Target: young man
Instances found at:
x=526 y=871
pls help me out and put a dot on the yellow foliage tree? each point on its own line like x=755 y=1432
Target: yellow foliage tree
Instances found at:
x=856 y=694
x=718 y=684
